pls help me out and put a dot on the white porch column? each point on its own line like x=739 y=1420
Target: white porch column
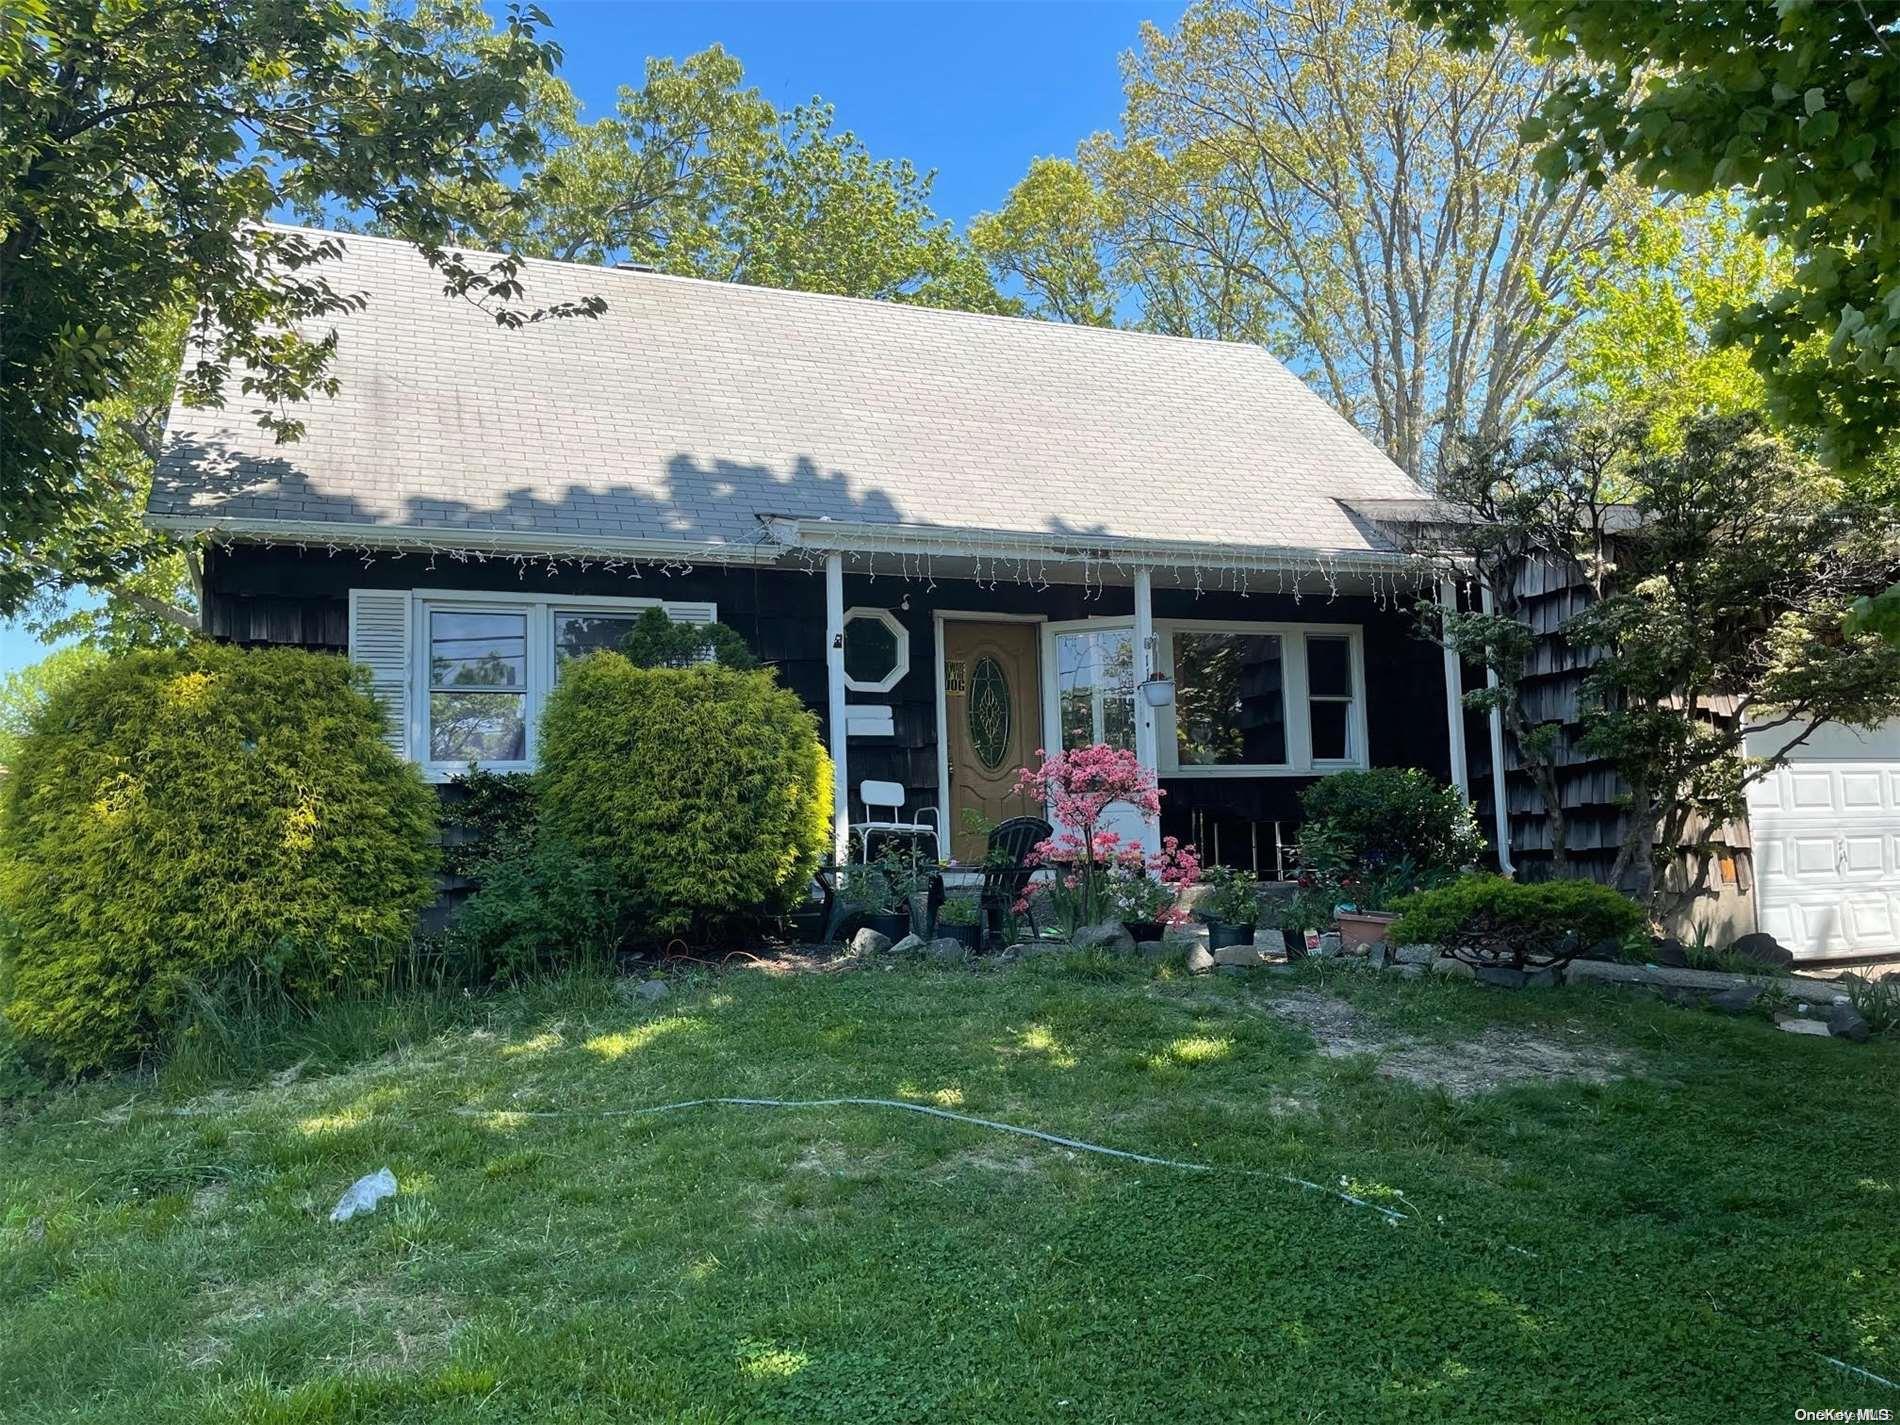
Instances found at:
x=1145 y=747
x=835 y=719
x=1454 y=700
x=1500 y=794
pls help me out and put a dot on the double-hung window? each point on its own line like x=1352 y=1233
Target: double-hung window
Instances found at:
x=483 y=665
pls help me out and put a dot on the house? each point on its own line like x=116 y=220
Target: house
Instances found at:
x=959 y=538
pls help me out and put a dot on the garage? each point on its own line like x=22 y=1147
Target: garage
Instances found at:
x=1826 y=829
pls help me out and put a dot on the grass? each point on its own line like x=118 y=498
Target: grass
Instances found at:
x=1686 y=1242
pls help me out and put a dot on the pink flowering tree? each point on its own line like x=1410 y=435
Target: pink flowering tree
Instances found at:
x=1094 y=866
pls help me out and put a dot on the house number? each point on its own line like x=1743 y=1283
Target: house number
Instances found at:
x=956 y=677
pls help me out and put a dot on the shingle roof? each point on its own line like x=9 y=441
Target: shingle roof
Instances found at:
x=691 y=409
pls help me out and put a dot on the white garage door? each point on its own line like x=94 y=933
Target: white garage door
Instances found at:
x=1827 y=842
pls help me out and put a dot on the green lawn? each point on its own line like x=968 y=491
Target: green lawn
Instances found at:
x=1684 y=1242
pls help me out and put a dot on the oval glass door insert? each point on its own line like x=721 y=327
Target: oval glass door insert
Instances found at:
x=989 y=712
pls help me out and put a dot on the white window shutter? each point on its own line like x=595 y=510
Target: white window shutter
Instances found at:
x=379 y=641
x=692 y=613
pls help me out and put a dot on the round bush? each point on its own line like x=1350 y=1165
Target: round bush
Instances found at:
x=1389 y=814
x=705 y=791
x=1490 y=918
x=190 y=816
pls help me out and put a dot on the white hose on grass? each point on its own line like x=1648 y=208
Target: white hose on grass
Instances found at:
x=1390 y=1214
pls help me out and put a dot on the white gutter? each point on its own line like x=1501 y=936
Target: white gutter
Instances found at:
x=838 y=536
x=418 y=539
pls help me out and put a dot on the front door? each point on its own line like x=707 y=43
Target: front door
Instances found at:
x=993 y=724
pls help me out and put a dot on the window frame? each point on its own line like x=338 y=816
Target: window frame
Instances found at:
x=1052 y=674
x=541 y=611
x=900 y=659
x=1294 y=690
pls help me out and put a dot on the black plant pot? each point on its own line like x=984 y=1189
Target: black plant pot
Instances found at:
x=1221 y=934
x=1145 y=932
x=892 y=923
x=970 y=937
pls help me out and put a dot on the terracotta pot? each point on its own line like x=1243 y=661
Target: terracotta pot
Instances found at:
x=1360 y=928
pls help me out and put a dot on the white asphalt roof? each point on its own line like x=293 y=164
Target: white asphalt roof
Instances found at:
x=691 y=409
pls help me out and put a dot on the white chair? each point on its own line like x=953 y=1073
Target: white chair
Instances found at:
x=888 y=797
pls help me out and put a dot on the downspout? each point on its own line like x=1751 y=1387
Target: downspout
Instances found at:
x=835 y=719
x=1146 y=744
x=1500 y=796
x=1455 y=701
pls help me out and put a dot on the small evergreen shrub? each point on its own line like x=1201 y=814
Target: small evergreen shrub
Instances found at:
x=1361 y=822
x=655 y=641
x=182 y=820
x=482 y=813
x=703 y=792
x=1496 y=921
x=541 y=905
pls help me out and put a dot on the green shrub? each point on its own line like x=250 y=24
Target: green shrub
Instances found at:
x=1494 y=920
x=703 y=791
x=1363 y=822
x=655 y=641
x=541 y=905
x=179 y=820
x=482 y=813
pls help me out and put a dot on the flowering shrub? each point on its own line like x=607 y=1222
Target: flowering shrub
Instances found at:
x=1150 y=890
x=1098 y=874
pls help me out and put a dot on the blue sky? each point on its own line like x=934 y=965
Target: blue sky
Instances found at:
x=972 y=90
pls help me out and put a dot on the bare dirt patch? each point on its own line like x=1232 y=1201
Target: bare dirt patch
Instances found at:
x=1494 y=1059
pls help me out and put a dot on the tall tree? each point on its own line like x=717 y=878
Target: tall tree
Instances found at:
x=697 y=174
x=1793 y=104
x=1324 y=177
x=139 y=142
x=1647 y=312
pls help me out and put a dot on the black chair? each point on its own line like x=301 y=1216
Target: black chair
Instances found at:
x=1006 y=870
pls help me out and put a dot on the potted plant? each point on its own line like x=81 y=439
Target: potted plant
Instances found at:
x=873 y=895
x=1147 y=893
x=1230 y=907
x=960 y=918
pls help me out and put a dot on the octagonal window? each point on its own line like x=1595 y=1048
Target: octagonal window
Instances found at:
x=876 y=650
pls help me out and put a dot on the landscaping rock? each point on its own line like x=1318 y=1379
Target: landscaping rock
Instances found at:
x=1608 y=948
x=1199 y=960
x=1110 y=935
x=1329 y=945
x=1376 y=954
x=652 y=991
x=1270 y=939
x=872 y=942
x=1415 y=954
x=1668 y=952
x=1739 y=1000
x=909 y=945
x=1795 y=1025
x=1238 y=955
x=1410 y=972
x=947 y=950
x=1763 y=949
x=1846 y=1022
x=1510 y=978
x=1450 y=965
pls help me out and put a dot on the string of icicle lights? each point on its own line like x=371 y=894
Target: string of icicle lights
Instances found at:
x=961 y=557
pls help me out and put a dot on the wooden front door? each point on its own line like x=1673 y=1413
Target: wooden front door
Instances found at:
x=993 y=722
